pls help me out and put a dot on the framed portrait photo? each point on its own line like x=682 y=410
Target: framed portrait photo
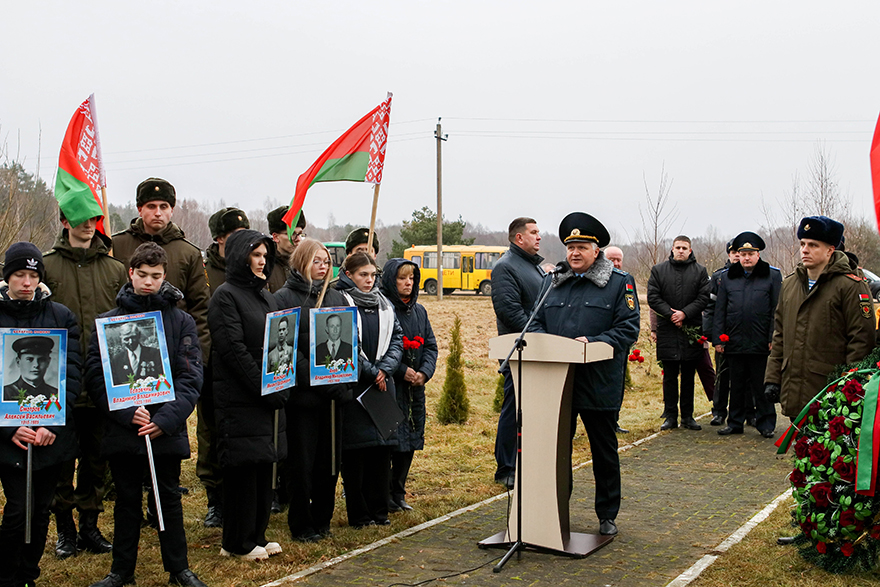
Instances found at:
x=333 y=352
x=279 y=350
x=34 y=367
x=137 y=371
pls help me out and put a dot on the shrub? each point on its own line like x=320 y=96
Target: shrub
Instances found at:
x=499 y=395
x=454 y=404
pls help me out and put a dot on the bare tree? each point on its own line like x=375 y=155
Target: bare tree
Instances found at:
x=823 y=196
x=658 y=215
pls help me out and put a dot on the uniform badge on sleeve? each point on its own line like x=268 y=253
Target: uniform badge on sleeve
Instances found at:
x=865 y=302
x=631 y=301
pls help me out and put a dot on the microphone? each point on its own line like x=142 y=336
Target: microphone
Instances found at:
x=561 y=267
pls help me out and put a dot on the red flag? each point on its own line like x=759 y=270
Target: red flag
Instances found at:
x=358 y=155
x=875 y=169
x=80 y=168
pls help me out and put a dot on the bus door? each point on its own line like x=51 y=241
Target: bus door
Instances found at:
x=467 y=272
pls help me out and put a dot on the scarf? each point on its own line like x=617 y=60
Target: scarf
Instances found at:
x=371 y=299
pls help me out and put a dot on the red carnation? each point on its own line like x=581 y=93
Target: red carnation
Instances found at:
x=847 y=471
x=637 y=352
x=814 y=410
x=419 y=340
x=875 y=532
x=846 y=549
x=853 y=391
x=837 y=427
x=802 y=447
x=847 y=518
x=640 y=359
x=702 y=340
x=821 y=547
x=819 y=455
x=821 y=492
x=631 y=357
x=798 y=479
x=723 y=338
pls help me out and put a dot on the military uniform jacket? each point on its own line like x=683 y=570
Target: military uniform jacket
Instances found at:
x=709 y=312
x=603 y=307
x=186 y=271
x=744 y=308
x=818 y=329
x=215 y=267
x=86 y=281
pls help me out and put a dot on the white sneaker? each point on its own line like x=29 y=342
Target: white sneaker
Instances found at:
x=257 y=554
x=273 y=548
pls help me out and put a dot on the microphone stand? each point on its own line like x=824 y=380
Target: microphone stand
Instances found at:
x=518 y=346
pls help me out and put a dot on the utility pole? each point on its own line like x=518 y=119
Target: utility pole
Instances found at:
x=438 y=134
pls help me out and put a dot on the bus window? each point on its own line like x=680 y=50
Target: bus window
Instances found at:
x=417 y=259
x=430 y=260
x=487 y=260
x=451 y=260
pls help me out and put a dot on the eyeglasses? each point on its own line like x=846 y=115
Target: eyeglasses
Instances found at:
x=321 y=262
x=299 y=235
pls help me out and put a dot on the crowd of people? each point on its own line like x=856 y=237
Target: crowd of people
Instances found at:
x=214 y=316
x=775 y=340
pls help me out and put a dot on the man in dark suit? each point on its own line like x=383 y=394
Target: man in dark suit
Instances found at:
x=135 y=358
x=333 y=347
x=32 y=358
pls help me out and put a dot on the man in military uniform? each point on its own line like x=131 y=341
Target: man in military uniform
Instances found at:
x=84 y=277
x=744 y=306
x=594 y=302
x=32 y=360
x=824 y=318
x=284 y=245
x=356 y=242
x=222 y=223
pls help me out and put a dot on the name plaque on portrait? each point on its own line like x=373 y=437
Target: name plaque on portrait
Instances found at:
x=134 y=355
x=279 y=350
x=333 y=352
x=34 y=367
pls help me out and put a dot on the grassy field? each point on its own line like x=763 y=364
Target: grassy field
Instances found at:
x=455 y=469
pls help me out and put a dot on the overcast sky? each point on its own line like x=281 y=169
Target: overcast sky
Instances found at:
x=549 y=107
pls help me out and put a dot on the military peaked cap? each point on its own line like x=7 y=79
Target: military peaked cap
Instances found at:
x=33 y=345
x=580 y=227
x=748 y=241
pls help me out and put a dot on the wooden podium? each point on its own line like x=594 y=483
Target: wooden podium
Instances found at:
x=547 y=378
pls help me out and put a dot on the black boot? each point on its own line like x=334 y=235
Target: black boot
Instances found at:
x=90 y=537
x=214 y=517
x=66 y=545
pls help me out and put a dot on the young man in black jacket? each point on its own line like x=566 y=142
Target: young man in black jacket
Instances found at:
x=164 y=423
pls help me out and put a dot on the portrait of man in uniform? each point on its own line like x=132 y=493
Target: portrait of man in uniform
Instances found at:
x=32 y=360
x=132 y=356
x=282 y=353
x=336 y=344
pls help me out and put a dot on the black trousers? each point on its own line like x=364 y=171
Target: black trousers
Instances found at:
x=747 y=385
x=601 y=431
x=366 y=473
x=247 y=504
x=400 y=464
x=505 y=438
x=207 y=463
x=89 y=492
x=311 y=482
x=20 y=562
x=672 y=400
x=128 y=476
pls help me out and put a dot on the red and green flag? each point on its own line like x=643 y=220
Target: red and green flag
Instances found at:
x=358 y=155
x=875 y=168
x=81 y=169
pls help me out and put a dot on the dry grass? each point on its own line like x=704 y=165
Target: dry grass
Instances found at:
x=455 y=469
x=757 y=561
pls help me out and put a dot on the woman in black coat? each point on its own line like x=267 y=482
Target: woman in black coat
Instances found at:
x=400 y=284
x=310 y=443
x=25 y=303
x=366 y=453
x=246 y=446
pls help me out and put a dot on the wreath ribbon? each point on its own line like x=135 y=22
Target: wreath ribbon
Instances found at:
x=869 y=438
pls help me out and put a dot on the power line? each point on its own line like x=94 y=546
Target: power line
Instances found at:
x=676 y=140
x=646 y=121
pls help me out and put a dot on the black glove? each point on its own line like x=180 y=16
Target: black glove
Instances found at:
x=277 y=400
x=771 y=392
x=341 y=392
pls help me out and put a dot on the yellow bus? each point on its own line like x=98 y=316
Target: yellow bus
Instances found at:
x=465 y=267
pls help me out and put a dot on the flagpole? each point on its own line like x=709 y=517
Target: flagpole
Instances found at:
x=373 y=217
x=106 y=211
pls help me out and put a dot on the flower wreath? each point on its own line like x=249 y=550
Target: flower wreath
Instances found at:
x=835 y=471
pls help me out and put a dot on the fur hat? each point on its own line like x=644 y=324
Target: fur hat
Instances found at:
x=359 y=236
x=155 y=189
x=821 y=228
x=276 y=224
x=23 y=255
x=226 y=220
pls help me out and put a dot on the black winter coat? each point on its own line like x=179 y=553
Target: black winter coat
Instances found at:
x=297 y=293
x=516 y=283
x=745 y=309
x=603 y=307
x=185 y=355
x=41 y=312
x=413 y=319
x=709 y=312
x=358 y=430
x=685 y=286
x=237 y=319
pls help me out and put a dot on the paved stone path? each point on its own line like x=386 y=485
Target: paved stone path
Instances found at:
x=684 y=492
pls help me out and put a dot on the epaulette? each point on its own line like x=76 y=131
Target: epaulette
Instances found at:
x=184 y=239
x=855 y=277
x=120 y=233
x=50 y=252
x=621 y=271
